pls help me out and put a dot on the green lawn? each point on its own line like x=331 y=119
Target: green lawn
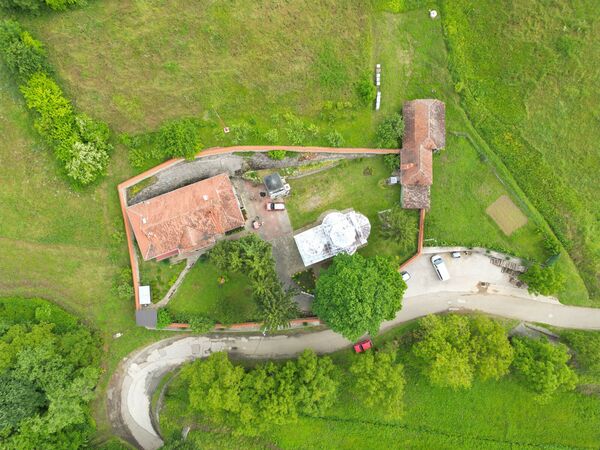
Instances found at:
x=201 y=293
x=491 y=415
x=357 y=184
x=60 y=244
x=159 y=275
x=534 y=98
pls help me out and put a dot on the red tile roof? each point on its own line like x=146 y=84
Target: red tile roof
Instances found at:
x=186 y=219
x=424 y=131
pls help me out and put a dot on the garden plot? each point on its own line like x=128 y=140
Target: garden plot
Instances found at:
x=506 y=214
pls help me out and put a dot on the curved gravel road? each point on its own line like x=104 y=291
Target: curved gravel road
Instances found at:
x=132 y=386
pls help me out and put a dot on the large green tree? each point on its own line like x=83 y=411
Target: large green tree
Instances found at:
x=543 y=280
x=268 y=394
x=48 y=372
x=543 y=366
x=356 y=294
x=452 y=350
x=379 y=381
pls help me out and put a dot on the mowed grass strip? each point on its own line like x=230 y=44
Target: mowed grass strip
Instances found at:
x=137 y=64
x=506 y=214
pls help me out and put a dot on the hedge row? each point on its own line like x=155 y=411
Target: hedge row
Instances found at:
x=80 y=143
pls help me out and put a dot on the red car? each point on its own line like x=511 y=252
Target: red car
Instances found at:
x=363 y=346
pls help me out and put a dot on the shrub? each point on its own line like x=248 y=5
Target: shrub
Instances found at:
x=272 y=136
x=277 y=154
x=55 y=119
x=240 y=133
x=179 y=139
x=201 y=324
x=37 y=5
x=543 y=366
x=164 y=318
x=390 y=131
x=22 y=54
x=543 y=280
x=79 y=142
x=335 y=139
x=366 y=91
x=392 y=162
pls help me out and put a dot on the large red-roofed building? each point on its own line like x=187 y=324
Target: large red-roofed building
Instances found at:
x=186 y=219
x=424 y=132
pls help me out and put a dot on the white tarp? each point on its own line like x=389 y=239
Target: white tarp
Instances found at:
x=145 y=298
x=339 y=232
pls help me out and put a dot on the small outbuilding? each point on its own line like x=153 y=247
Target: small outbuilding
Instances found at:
x=145 y=297
x=276 y=186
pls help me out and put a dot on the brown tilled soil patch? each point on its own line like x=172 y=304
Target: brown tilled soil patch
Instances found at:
x=506 y=214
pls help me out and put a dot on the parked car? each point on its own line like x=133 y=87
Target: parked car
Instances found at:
x=405 y=276
x=440 y=267
x=275 y=206
x=363 y=346
x=455 y=254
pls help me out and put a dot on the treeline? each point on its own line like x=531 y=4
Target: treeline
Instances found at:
x=450 y=351
x=49 y=367
x=80 y=143
x=36 y=6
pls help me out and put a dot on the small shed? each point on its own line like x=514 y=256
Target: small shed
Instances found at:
x=145 y=297
x=276 y=186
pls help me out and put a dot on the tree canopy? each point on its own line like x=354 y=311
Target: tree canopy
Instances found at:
x=543 y=365
x=400 y=226
x=48 y=372
x=253 y=256
x=543 y=280
x=379 y=381
x=356 y=294
x=452 y=350
x=268 y=394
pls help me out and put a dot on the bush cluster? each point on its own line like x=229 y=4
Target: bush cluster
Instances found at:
x=390 y=131
x=253 y=256
x=198 y=323
x=453 y=350
x=277 y=155
x=251 y=401
x=80 y=143
x=36 y=6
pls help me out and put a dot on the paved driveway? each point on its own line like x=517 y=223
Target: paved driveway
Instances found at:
x=466 y=274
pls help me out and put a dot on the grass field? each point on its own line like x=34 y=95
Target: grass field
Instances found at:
x=491 y=415
x=201 y=293
x=506 y=214
x=137 y=64
x=534 y=99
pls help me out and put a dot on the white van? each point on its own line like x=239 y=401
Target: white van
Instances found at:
x=440 y=267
